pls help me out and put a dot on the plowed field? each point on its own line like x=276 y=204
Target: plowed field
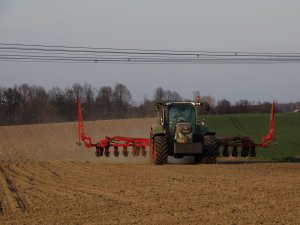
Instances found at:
x=46 y=179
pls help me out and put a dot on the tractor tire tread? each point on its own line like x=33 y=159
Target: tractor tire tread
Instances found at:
x=210 y=149
x=161 y=150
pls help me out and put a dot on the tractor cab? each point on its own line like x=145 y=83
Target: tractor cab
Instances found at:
x=179 y=121
x=181 y=117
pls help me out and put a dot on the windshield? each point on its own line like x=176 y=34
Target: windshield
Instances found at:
x=181 y=113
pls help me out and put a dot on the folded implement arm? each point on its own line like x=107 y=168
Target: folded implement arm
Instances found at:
x=87 y=140
x=266 y=140
x=136 y=145
x=248 y=146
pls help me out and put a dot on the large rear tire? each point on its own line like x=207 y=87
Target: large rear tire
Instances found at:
x=161 y=150
x=210 y=149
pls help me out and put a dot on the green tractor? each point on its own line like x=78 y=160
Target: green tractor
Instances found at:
x=180 y=133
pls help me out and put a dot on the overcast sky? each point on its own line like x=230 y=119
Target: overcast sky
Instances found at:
x=231 y=25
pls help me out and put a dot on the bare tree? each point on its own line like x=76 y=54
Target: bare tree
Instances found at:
x=104 y=100
x=121 y=100
x=78 y=90
x=88 y=97
x=12 y=98
x=39 y=102
x=175 y=96
x=224 y=107
x=2 y=106
x=159 y=95
x=167 y=96
x=70 y=104
x=242 y=106
x=210 y=100
x=57 y=104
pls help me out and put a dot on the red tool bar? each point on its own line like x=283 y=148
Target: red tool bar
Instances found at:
x=116 y=141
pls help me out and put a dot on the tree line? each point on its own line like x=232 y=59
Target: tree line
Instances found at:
x=28 y=104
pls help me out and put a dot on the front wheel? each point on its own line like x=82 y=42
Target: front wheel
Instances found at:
x=160 y=150
x=210 y=149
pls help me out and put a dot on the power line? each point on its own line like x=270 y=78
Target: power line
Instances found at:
x=144 y=60
x=47 y=53
x=112 y=49
x=148 y=50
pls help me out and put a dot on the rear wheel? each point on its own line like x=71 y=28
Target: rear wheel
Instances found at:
x=210 y=149
x=160 y=150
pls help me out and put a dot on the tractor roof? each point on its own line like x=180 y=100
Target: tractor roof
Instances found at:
x=180 y=103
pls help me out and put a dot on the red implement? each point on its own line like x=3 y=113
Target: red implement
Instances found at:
x=248 y=145
x=266 y=140
x=138 y=145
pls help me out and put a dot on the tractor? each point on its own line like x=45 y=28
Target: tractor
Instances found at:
x=180 y=132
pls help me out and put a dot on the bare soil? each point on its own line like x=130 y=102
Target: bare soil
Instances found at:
x=45 y=178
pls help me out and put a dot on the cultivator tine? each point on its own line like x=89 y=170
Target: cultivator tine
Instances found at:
x=225 y=151
x=107 y=152
x=135 y=151
x=138 y=150
x=125 y=151
x=245 y=151
x=144 y=152
x=99 y=151
x=252 y=151
x=116 y=151
x=235 y=151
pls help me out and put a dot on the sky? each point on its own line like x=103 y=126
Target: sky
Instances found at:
x=211 y=25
